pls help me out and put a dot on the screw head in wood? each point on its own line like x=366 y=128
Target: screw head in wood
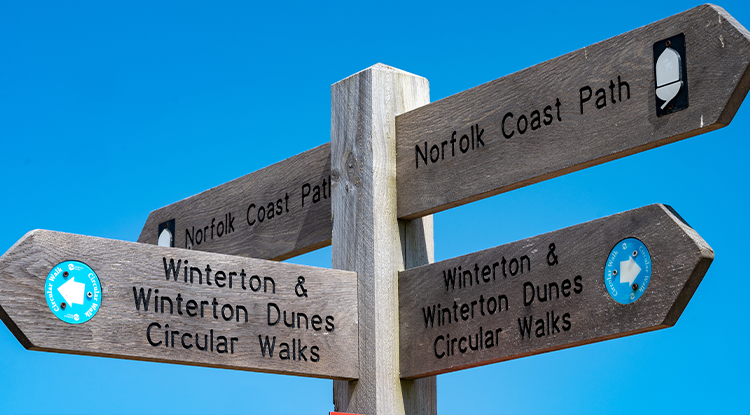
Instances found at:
x=614 y=272
x=65 y=274
x=635 y=253
x=635 y=287
x=89 y=295
x=63 y=305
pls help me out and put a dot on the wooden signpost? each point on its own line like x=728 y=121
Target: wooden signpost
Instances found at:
x=578 y=110
x=274 y=213
x=545 y=293
x=394 y=159
x=368 y=238
x=188 y=307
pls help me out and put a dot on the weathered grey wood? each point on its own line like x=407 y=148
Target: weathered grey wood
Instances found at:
x=717 y=55
x=119 y=329
x=297 y=229
x=366 y=235
x=679 y=258
x=418 y=248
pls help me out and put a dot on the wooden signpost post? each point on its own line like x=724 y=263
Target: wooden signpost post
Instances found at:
x=384 y=332
x=188 y=307
x=368 y=238
x=274 y=213
x=545 y=293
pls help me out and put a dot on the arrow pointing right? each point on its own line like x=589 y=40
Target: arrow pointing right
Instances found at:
x=629 y=270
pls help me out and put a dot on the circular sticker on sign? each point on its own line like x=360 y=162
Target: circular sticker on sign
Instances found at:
x=73 y=292
x=628 y=271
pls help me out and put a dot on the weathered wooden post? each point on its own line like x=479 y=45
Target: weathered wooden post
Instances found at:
x=368 y=237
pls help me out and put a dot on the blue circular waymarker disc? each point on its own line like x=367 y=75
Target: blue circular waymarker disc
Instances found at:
x=73 y=292
x=628 y=271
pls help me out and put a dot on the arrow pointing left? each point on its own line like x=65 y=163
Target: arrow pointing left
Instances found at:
x=72 y=291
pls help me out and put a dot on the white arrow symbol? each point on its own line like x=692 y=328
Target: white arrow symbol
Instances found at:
x=668 y=76
x=628 y=271
x=165 y=238
x=72 y=291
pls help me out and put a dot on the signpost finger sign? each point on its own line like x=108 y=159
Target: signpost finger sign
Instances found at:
x=612 y=277
x=274 y=213
x=84 y=295
x=594 y=105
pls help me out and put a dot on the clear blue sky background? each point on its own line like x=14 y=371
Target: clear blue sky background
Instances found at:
x=128 y=107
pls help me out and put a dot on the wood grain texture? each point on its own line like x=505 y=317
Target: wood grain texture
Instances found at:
x=717 y=56
x=119 y=328
x=366 y=235
x=679 y=258
x=294 y=227
x=418 y=248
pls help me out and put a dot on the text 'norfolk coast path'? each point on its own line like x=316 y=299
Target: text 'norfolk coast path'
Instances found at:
x=596 y=104
x=275 y=213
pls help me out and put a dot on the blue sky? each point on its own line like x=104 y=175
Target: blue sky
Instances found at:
x=109 y=111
